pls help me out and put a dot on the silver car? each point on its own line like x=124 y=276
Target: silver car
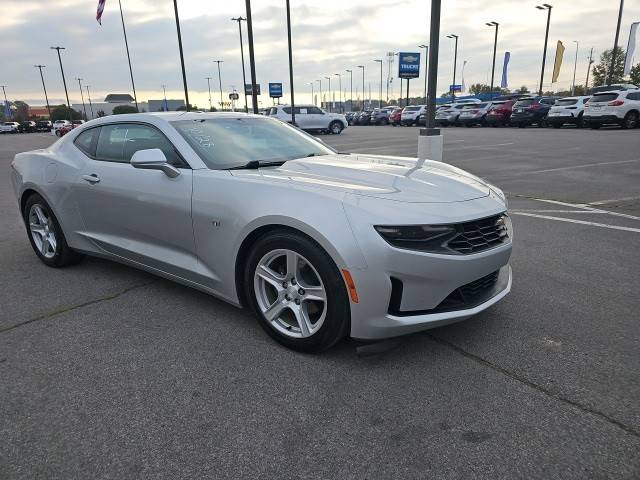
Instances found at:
x=319 y=245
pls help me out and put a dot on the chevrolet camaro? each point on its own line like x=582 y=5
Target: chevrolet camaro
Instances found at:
x=320 y=245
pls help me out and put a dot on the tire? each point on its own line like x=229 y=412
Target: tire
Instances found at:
x=630 y=120
x=329 y=320
x=58 y=134
x=336 y=127
x=580 y=122
x=594 y=126
x=556 y=125
x=38 y=216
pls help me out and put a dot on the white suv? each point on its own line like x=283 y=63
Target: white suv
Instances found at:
x=411 y=114
x=622 y=108
x=310 y=117
x=59 y=124
x=9 y=127
x=567 y=110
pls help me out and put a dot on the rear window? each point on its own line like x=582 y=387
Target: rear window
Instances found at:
x=411 y=109
x=525 y=103
x=566 y=102
x=603 y=97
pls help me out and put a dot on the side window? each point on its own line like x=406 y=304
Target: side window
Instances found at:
x=118 y=143
x=273 y=111
x=86 y=140
x=314 y=110
x=287 y=110
x=303 y=111
x=633 y=96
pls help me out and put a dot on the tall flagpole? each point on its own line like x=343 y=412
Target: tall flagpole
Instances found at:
x=126 y=44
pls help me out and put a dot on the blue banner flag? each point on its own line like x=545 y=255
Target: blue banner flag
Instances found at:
x=7 y=109
x=504 y=83
x=409 y=65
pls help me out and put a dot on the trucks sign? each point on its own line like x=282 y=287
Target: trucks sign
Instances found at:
x=275 y=90
x=409 y=65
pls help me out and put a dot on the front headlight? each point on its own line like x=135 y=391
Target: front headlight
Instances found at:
x=426 y=238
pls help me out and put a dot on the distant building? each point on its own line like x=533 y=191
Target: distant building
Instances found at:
x=111 y=101
x=159 y=106
x=40 y=112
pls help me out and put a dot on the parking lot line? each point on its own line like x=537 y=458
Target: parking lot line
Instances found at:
x=583 y=206
x=582 y=222
x=615 y=200
x=519 y=210
x=586 y=165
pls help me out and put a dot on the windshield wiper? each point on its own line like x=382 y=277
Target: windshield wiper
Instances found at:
x=254 y=164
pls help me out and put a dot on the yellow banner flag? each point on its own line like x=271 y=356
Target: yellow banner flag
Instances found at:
x=558 y=63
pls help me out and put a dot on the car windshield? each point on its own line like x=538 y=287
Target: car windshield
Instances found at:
x=603 y=97
x=525 y=103
x=411 y=109
x=225 y=143
x=565 y=102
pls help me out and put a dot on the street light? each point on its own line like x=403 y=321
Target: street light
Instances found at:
x=362 y=67
x=252 y=60
x=244 y=80
x=220 y=83
x=455 y=63
x=40 y=67
x=312 y=99
x=339 y=75
x=209 y=86
x=6 y=102
x=547 y=7
x=90 y=104
x=351 y=90
x=380 y=98
x=184 y=73
x=64 y=81
x=615 y=44
x=82 y=97
x=495 y=44
x=575 y=65
x=426 y=63
x=320 y=82
x=329 y=78
x=166 y=105
x=293 y=106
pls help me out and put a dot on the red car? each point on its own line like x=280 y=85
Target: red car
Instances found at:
x=500 y=113
x=60 y=132
x=394 y=117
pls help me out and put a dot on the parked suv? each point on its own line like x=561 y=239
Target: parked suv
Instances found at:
x=499 y=113
x=622 y=108
x=28 y=126
x=567 y=110
x=380 y=116
x=310 y=117
x=530 y=110
x=43 y=126
x=474 y=114
x=395 y=116
x=411 y=114
x=9 y=127
x=450 y=116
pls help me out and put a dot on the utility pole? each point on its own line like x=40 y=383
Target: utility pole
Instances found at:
x=455 y=63
x=586 y=82
x=64 y=81
x=166 y=105
x=547 y=7
x=380 y=97
x=575 y=65
x=252 y=63
x=184 y=74
x=244 y=79
x=293 y=107
x=82 y=97
x=340 y=86
x=363 y=87
x=312 y=98
x=6 y=102
x=495 y=45
x=615 y=44
x=329 y=78
x=40 y=67
x=351 y=90
x=220 y=83
x=426 y=64
x=90 y=104
x=320 y=83
x=209 y=87
x=126 y=45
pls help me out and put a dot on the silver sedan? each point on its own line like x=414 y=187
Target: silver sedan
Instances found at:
x=320 y=245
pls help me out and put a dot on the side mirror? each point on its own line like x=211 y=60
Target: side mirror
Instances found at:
x=153 y=159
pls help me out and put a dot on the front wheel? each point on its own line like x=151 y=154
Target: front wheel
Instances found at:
x=630 y=120
x=297 y=292
x=336 y=127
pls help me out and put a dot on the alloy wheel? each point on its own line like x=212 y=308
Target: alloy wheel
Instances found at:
x=290 y=293
x=42 y=232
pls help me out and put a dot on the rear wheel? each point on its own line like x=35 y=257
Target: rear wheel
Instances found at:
x=630 y=120
x=594 y=126
x=556 y=125
x=297 y=292
x=45 y=234
x=335 y=127
x=580 y=122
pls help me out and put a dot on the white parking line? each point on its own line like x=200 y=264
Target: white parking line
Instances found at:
x=614 y=200
x=587 y=165
x=533 y=210
x=483 y=146
x=583 y=206
x=581 y=222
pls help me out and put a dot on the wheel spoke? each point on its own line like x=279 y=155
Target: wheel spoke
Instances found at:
x=52 y=242
x=40 y=214
x=270 y=276
x=292 y=264
x=44 y=246
x=315 y=294
x=36 y=228
x=303 y=320
x=274 y=310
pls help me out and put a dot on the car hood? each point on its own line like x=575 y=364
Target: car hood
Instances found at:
x=393 y=178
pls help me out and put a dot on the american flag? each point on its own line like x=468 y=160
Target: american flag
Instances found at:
x=100 y=10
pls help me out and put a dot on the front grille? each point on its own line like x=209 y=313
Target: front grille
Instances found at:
x=479 y=235
x=477 y=287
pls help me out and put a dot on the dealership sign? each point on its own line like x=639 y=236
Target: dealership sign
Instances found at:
x=409 y=66
x=455 y=88
x=275 y=90
x=247 y=89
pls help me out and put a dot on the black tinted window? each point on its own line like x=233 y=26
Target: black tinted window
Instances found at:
x=548 y=101
x=603 y=97
x=525 y=103
x=118 y=143
x=633 y=96
x=86 y=140
x=287 y=110
x=314 y=110
x=566 y=102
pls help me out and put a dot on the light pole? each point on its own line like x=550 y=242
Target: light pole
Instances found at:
x=82 y=97
x=586 y=82
x=90 y=104
x=244 y=80
x=209 y=86
x=615 y=44
x=184 y=74
x=166 y=105
x=320 y=83
x=363 y=87
x=380 y=98
x=6 y=102
x=339 y=75
x=351 y=89
x=575 y=65
x=455 y=63
x=547 y=7
x=312 y=98
x=252 y=62
x=126 y=45
x=329 y=78
x=64 y=81
x=220 y=83
x=495 y=45
x=426 y=64
x=293 y=107
x=40 y=67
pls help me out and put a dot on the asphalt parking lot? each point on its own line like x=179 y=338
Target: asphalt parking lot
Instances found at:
x=109 y=372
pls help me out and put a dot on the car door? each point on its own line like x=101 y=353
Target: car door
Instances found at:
x=317 y=118
x=141 y=215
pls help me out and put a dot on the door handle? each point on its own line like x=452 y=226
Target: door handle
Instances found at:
x=93 y=178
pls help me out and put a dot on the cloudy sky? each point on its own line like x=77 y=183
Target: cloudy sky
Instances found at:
x=329 y=36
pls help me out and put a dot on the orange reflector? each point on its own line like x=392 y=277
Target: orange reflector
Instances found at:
x=353 y=293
